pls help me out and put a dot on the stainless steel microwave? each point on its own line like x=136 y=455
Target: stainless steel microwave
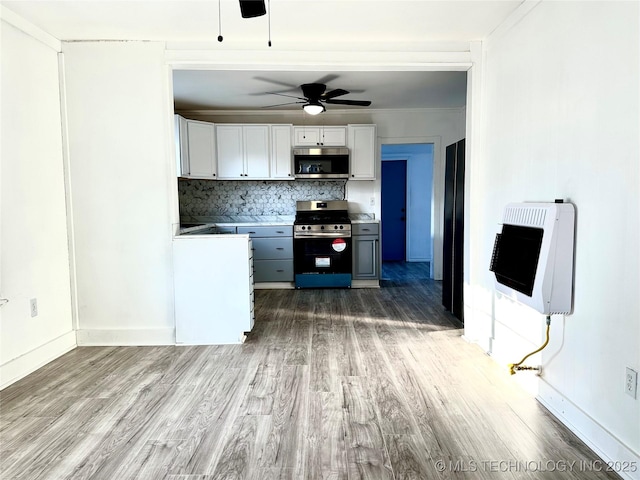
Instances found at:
x=321 y=163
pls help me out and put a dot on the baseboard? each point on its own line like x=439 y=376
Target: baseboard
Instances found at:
x=20 y=367
x=609 y=448
x=126 y=337
x=365 y=284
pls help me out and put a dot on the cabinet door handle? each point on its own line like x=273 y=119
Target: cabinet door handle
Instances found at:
x=279 y=231
x=279 y=270
x=279 y=248
x=252 y=233
x=366 y=230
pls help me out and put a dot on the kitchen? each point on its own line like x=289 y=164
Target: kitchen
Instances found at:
x=243 y=177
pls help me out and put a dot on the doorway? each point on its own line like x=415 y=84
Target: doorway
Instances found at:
x=407 y=229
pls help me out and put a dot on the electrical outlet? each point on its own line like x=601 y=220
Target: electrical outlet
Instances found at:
x=631 y=382
x=34 y=307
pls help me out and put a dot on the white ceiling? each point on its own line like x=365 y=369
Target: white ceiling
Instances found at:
x=246 y=90
x=296 y=25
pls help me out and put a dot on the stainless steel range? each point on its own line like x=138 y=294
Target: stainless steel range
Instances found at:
x=322 y=251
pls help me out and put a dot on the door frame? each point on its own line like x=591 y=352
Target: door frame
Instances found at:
x=437 y=197
x=407 y=196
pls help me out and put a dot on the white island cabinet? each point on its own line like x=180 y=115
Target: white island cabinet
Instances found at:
x=213 y=284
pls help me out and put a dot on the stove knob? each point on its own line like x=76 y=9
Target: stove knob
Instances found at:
x=341 y=227
x=303 y=227
x=322 y=227
x=336 y=227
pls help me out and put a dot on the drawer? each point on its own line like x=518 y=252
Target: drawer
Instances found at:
x=273 y=271
x=272 y=248
x=364 y=228
x=260 y=231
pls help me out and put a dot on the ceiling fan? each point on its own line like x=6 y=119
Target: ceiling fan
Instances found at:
x=315 y=96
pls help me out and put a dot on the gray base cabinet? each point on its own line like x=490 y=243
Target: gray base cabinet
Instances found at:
x=272 y=252
x=366 y=251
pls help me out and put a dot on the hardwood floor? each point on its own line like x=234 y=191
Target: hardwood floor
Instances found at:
x=330 y=384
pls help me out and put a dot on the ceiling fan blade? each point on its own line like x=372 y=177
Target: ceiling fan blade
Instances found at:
x=284 y=95
x=330 y=77
x=334 y=93
x=360 y=103
x=277 y=82
x=282 y=104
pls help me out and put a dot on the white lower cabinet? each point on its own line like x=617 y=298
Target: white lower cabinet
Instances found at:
x=213 y=284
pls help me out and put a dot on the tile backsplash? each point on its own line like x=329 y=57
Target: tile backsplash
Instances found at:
x=247 y=197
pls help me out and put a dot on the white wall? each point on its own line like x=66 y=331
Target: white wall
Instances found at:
x=560 y=120
x=35 y=259
x=122 y=178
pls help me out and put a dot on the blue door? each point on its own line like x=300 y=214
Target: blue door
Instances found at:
x=394 y=225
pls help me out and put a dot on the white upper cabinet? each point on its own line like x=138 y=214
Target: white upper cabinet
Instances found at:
x=230 y=151
x=281 y=162
x=320 y=136
x=256 y=151
x=362 y=152
x=195 y=148
x=243 y=151
x=234 y=151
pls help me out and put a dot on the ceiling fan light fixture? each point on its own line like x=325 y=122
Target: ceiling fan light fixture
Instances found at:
x=313 y=108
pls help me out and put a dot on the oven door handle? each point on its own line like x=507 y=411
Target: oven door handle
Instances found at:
x=321 y=235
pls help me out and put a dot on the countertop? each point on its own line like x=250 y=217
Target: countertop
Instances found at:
x=249 y=220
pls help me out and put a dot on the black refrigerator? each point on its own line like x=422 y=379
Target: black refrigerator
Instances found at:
x=453 y=235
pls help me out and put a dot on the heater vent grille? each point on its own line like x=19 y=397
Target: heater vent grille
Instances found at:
x=527 y=216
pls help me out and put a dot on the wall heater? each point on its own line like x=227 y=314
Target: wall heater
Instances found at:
x=533 y=256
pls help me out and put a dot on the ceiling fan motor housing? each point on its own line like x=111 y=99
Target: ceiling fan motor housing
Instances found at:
x=313 y=91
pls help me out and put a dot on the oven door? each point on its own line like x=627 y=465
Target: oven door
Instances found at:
x=322 y=262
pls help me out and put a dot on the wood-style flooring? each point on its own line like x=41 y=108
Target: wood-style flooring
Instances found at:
x=330 y=384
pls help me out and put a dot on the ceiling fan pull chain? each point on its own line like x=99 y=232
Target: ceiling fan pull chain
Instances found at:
x=269 y=19
x=219 y=22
